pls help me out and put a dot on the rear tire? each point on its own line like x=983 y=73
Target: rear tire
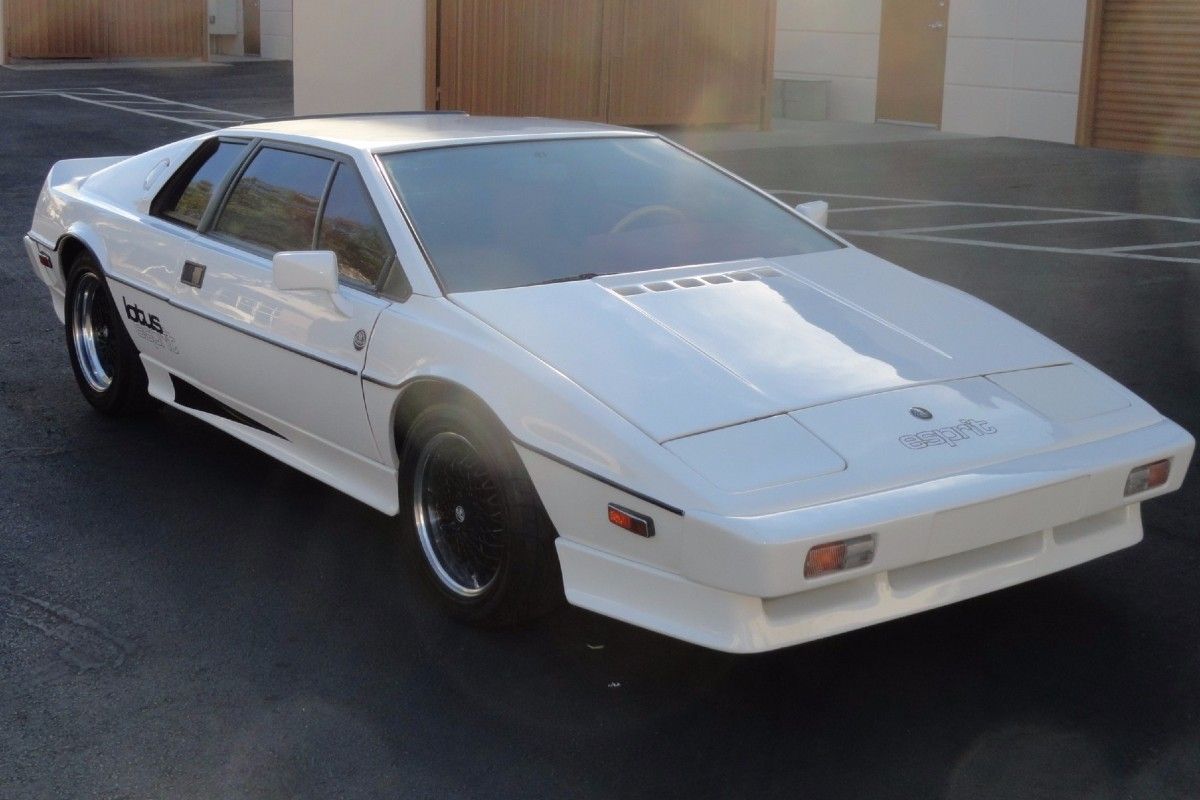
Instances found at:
x=471 y=517
x=103 y=357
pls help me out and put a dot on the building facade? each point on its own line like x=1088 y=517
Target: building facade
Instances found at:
x=1011 y=67
x=1111 y=73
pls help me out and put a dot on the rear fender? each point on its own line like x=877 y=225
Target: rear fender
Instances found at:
x=86 y=235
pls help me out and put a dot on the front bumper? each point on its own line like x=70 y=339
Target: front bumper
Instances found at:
x=737 y=584
x=50 y=275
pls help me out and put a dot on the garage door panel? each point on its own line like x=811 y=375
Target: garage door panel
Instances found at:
x=624 y=61
x=157 y=28
x=522 y=57
x=1143 y=90
x=105 y=28
x=689 y=61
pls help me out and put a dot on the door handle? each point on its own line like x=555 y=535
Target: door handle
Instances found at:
x=193 y=274
x=937 y=26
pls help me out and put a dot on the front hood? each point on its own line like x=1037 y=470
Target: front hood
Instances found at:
x=691 y=349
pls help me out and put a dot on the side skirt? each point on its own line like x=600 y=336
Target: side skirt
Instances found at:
x=363 y=479
x=189 y=396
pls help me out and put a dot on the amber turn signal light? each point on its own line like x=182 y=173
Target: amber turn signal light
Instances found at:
x=1147 y=476
x=634 y=523
x=837 y=556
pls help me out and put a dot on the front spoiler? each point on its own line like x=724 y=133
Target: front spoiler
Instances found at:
x=737 y=584
x=675 y=606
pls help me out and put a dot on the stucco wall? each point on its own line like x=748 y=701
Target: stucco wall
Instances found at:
x=1012 y=66
x=351 y=58
x=837 y=40
x=276 y=28
x=275 y=32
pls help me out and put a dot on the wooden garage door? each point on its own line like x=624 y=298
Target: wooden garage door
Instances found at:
x=690 y=61
x=636 y=62
x=105 y=28
x=521 y=57
x=1142 y=76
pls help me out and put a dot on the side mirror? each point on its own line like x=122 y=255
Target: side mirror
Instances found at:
x=301 y=269
x=817 y=211
x=309 y=269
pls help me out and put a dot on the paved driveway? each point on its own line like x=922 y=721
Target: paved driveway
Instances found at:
x=183 y=617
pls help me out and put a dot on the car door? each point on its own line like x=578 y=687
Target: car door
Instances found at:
x=145 y=253
x=285 y=362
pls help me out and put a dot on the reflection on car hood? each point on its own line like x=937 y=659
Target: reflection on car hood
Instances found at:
x=691 y=349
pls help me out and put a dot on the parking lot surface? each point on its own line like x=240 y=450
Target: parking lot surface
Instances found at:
x=183 y=617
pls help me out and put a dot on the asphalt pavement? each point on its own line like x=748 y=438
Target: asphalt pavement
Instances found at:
x=183 y=617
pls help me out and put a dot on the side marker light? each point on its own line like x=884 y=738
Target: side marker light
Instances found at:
x=837 y=556
x=634 y=523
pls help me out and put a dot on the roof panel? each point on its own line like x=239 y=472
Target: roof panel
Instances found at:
x=398 y=131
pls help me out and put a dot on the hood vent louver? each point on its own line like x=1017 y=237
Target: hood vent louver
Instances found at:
x=629 y=291
x=691 y=283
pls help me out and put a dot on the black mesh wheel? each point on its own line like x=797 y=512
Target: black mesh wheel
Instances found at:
x=473 y=519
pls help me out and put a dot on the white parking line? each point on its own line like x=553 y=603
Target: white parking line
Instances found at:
x=1135 y=247
x=888 y=207
x=1133 y=252
x=1016 y=223
x=143 y=105
x=916 y=201
x=138 y=111
x=1013 y=246
x=188 y=105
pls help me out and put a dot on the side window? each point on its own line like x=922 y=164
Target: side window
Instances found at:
x=274 y=203
x=186 y=195
x=351 y=228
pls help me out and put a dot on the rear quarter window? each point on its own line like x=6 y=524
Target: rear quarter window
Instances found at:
x=187 y=194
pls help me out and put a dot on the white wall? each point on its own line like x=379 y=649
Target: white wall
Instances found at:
x=275 y=31
x=276 y=28
x=349 y=57
x=835 y=40
x=1013 y=68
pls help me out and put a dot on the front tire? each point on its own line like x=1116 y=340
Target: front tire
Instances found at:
x=103 y=357
x=474 y=522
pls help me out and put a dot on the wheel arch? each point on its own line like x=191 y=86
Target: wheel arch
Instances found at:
x=70 y=247
x=423 y=392
x=76 y=240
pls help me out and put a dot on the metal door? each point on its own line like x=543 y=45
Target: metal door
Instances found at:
x=251 y=27
x=912 y=61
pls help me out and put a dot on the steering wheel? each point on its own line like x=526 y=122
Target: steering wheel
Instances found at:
x=638 y=214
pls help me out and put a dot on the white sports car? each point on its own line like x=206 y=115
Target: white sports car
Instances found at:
x=577 y=359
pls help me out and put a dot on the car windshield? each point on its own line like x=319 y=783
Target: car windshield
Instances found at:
x=495 y=216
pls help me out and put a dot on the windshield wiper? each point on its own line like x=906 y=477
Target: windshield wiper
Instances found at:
x=583 y=276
